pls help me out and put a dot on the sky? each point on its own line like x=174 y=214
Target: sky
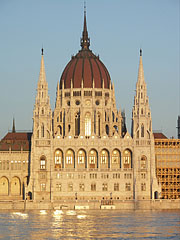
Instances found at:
x=117 y=30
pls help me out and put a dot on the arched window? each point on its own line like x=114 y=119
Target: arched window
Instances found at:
x=4 y=186
x=59 y=130
x=141 y=111
x=42 y=130
x=115 y=129
x=48 y=134
x=92 y=158
x=58 y=158
x=99 y=125
x=113 y=116
x=115 y=157
x=43 y=163
x=150 y=126
x=81 y=156
x=88 y=124
x=138 y=134
x=69 y=157
x=127 y=158
x=104 y=156
x=77 y=124
x=143 y=162
x=107 y=129
x=142 y=130
x=60 y=116
x=15 y=186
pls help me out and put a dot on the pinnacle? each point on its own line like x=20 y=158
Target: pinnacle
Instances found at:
x=42 y=74
x=141 y=71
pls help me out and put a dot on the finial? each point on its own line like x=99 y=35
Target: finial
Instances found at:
x=84 y=7
x=85 y=41
x=140 y=52
x=42 y=51
x=13 y=128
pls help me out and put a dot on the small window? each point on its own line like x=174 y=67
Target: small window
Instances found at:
x=97 y=102
x=116 y=186
x=104 y=187
x=143 y=162
x=81 y=187
x=43 y=187
x=143 y=187
x=128 y=187
x=93 y=187
x=69 y=159
x=70 y=187
x=42 y=163
x=143 y=176
x=77 y=102
x=58 y=187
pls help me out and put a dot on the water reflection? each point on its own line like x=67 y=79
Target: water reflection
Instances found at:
x=20 y=214
x=43 y=212
x=86 y=224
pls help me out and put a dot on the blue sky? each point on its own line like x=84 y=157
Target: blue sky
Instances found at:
x=117 y=29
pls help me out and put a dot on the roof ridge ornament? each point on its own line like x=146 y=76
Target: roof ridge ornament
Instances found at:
x=85 y=40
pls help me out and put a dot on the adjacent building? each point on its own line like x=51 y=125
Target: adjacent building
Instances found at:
x=167 y=152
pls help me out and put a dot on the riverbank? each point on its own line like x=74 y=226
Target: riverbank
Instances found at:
x=159 y=204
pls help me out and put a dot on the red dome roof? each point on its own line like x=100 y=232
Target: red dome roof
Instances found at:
x=87 y=67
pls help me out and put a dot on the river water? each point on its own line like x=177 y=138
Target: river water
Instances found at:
x=89 y=224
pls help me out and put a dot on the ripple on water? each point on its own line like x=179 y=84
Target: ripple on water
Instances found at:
x=89 y=224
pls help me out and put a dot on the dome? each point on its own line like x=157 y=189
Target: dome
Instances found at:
x=85 y=66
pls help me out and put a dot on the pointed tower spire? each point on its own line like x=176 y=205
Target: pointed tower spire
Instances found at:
x=85 y=41
x=42 y=109
x=42 y=75
x=13 y=127
x=141 y=121
x=141 y=71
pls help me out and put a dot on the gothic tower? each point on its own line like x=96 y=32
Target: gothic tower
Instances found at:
x=41 y=140
x=144 y=156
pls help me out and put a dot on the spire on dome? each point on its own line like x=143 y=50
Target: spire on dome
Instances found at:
x=85 y=41
x=140 y=52
x=13 y=127
x=42 y=74
x=141 y=71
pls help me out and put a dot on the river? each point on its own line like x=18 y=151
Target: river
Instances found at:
x=89 y=224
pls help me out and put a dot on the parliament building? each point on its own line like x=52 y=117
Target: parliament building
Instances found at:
x=81 y=150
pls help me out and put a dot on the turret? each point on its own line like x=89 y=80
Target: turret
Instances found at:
x=42 y=109
x=141 y=114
